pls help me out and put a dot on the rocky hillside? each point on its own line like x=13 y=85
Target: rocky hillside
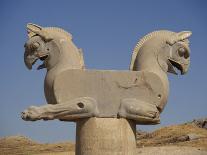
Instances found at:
x=175 y=135
x=188 y=138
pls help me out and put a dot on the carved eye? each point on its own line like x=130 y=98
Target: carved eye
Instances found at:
x=35 y=45
x=181 y=52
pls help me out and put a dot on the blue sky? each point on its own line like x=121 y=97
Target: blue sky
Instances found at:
x=107 y=31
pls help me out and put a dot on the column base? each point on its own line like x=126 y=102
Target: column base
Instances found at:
x=105 y=136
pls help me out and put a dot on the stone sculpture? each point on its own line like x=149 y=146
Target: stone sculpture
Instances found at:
x=106 y=105
x=73 y=92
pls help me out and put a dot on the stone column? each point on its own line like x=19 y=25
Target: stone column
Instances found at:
x=105 y=136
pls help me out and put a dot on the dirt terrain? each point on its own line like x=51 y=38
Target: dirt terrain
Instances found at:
x=176 y=135
x=20 y=145
x=183 y=139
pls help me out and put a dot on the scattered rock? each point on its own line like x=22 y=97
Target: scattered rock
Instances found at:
x=140 y=134
x=170 y=150
x=192 y=136
x=177 y=135
x=202 y=123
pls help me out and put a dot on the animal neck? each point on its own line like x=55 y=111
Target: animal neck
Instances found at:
x=69 y=58
x=147 y=60
x=150 y=63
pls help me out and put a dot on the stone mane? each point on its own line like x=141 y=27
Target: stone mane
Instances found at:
x=164 y=33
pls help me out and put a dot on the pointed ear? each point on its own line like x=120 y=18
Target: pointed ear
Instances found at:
x=33 y=29
x=184 y=35
x=179 y=36
x=45 y=35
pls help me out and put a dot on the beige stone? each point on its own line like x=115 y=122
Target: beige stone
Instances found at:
x=140 y=96
x=106 y=105
x=105 y=136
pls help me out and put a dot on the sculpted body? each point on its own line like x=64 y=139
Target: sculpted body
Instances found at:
x=74 y=93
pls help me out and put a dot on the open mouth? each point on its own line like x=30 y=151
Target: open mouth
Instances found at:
x=42 y=58
x=176 y=66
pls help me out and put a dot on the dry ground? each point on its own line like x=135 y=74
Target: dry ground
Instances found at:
x=184 y=139
x=20 y=145
x=176 y=135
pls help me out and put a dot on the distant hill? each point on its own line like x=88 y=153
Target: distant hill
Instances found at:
x=176 y=135
x=186 y=139
x=20 y=145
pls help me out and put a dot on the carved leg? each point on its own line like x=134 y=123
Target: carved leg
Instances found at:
x=139 y=111
x=78 y=108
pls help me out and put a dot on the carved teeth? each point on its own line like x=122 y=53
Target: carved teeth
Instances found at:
x=42 y=58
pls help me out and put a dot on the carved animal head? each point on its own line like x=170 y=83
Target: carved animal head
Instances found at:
x=51 y=45
x=171 y=51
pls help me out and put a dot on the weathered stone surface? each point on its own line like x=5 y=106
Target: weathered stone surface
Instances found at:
x=110 y=89
x=105 y=136
x=140 y=96
x=75 y=94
